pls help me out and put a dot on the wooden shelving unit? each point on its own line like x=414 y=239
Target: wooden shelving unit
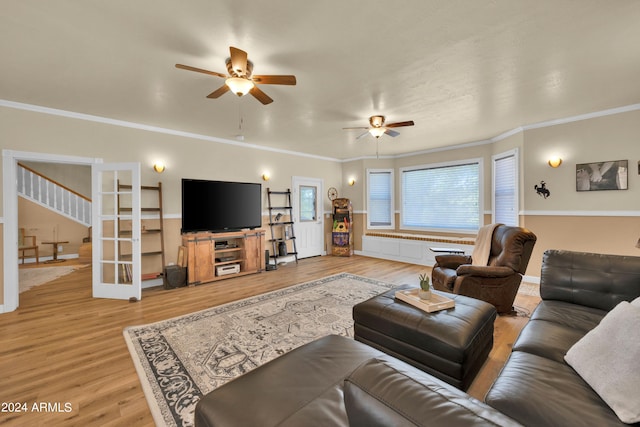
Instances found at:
x=342 y=229
x=152 y=230
x=283 y=238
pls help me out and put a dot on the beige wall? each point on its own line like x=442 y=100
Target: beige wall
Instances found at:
x=604 y=221
x=28 y=131
x=75 y=177
x=45 y=224
x=598 y=221
x=593 y=221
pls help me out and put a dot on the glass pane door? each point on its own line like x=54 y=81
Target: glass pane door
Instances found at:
x=116 y=231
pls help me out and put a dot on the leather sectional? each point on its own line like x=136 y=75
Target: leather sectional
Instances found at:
x=336 y=381
x=536 y=386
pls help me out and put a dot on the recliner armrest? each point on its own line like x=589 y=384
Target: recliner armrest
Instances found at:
x=452 y=261
x=484 y=271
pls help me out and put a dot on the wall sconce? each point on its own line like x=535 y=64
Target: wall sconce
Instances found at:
x=352 y=181
x=554 y=162
x=158 y=167
x=266 y=176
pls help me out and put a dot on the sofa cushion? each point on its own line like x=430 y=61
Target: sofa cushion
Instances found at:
x=536 y=391
x=607 y=359
x=571 y=315
x=554 y=327
x=303 y=387
x=385 y=392
x=593 y=280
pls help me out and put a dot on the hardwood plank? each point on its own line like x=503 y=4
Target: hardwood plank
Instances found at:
x=61 y=345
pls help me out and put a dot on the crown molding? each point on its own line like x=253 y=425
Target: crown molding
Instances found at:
x=132 y=125
x=139 y=126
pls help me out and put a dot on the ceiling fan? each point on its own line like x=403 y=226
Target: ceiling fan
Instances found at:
x=240 y=80
x=378 y=127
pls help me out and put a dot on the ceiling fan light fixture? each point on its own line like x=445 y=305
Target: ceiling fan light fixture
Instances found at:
x=239 y=85
x=377 y=132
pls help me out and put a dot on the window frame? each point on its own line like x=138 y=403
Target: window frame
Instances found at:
x=480 y=220
x=392 y=213
x=516 y=185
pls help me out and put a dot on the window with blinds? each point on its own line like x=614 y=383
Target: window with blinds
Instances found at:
x=443 y=197
x=505 y=188
x=380 y=212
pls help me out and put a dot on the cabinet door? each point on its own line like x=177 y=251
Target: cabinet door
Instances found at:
x=203 y=269
x=254 y=252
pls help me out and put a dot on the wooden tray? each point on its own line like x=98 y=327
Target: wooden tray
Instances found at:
x=436 y=303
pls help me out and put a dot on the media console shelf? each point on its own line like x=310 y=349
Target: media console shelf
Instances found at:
x=218 y=256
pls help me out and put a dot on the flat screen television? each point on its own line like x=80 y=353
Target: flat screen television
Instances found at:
x=219 y=206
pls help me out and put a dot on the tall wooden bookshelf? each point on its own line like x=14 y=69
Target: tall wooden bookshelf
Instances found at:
x=152 y=229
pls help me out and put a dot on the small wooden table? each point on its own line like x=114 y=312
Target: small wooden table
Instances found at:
x=447 y=251
x=55 y=251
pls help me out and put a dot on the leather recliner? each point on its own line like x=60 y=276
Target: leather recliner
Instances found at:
x=498 y=281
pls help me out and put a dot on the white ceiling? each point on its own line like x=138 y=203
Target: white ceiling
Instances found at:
x=464 y=71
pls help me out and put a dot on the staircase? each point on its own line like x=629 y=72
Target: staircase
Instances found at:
x=54 y=196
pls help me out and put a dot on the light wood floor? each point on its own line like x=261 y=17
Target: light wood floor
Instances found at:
x=62 y=346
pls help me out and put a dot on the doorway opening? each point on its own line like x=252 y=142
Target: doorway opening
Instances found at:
x=11 y=203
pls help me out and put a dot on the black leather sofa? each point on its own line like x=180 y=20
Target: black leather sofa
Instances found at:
x=336 y=381
x=536 y=386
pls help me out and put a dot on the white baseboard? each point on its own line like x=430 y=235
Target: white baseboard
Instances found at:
x=152 y=283
x=48 y=258
x=406 y=250
x=412 y=251
x=531 y=279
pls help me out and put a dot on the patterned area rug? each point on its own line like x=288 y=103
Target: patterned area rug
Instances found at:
x=179 y=360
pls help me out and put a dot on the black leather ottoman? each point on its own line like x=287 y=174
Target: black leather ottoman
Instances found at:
x=450 y=344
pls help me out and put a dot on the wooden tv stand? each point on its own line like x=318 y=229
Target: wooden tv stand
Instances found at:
x=217 y=256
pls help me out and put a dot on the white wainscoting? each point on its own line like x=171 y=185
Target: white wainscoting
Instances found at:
x=406 y=250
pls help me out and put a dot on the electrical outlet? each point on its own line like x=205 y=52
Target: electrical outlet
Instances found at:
x=59 y=248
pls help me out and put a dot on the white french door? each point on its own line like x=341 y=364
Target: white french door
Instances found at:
x=116 y=231
x=308 y=216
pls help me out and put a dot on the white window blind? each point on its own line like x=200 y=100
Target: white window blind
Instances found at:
x=380 y=198
x=505 y=184
x=444 y=197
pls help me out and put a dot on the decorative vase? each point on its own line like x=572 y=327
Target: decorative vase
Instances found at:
x=422 y=294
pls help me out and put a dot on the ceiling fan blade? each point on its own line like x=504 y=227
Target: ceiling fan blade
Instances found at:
x=200 y=70
x=275 y=80
x=359 y=127
x=399 y=124
x=362 y=135
x=238 y=61
x=391 y=133
x=260 y=95
x=219 y=92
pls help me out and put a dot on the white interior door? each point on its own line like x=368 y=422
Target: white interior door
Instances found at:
x=116 y=231
x=308 y=216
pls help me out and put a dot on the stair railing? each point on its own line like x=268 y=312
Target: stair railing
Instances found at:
x=52 y=195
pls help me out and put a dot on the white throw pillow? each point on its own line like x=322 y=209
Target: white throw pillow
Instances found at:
x=608 y=359
x=636 y=302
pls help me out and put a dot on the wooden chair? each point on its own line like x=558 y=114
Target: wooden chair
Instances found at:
x=27 y=243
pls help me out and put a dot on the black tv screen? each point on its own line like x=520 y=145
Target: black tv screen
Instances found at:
x=219 y=206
